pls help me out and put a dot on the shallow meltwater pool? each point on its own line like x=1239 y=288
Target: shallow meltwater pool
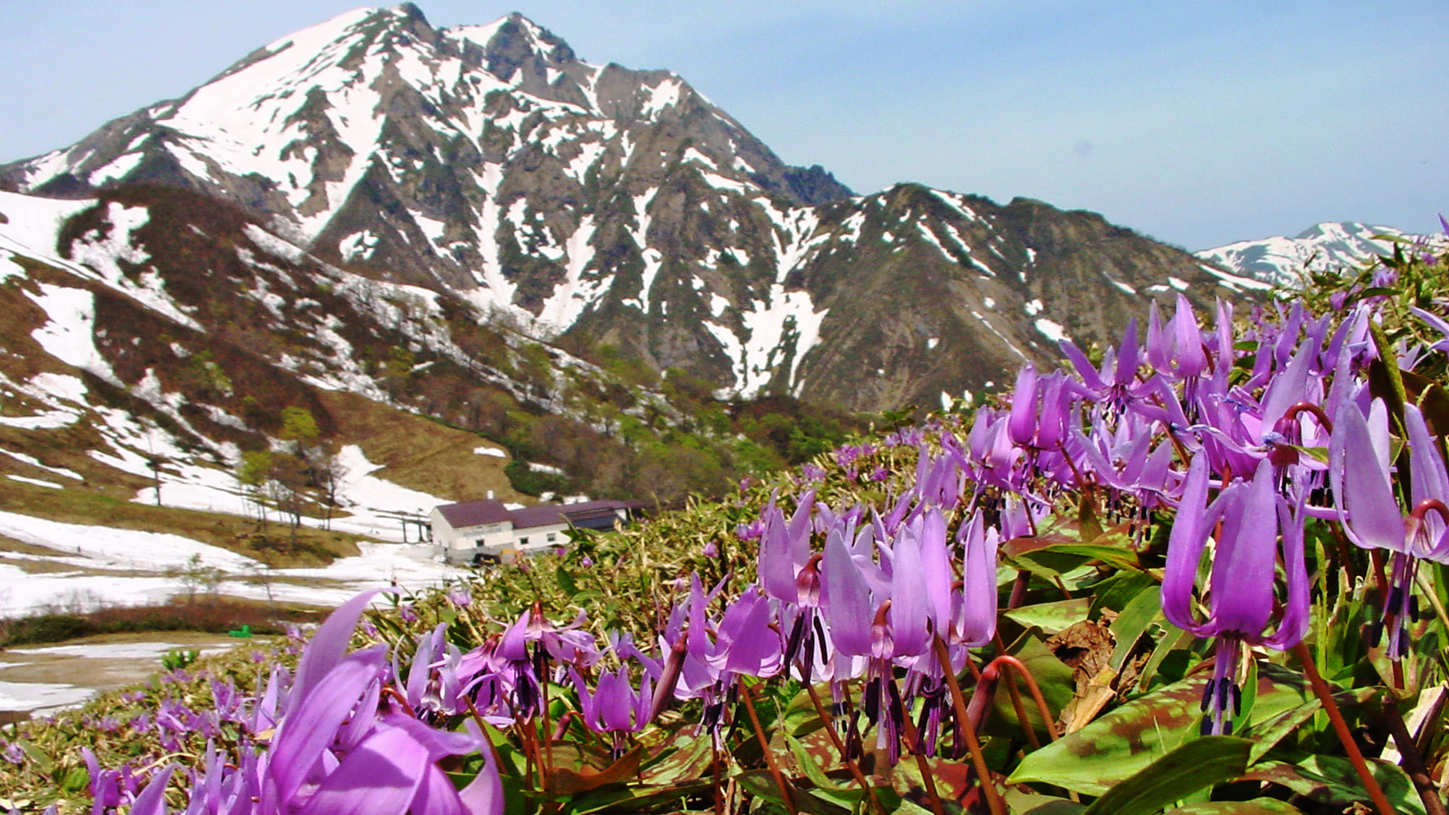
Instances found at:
x=42 y=679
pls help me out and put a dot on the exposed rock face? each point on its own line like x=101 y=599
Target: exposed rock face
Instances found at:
x=586 y=204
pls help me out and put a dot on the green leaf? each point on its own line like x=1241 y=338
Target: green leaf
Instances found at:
x=689 y=758
x=1249 y=697
x=75 y=780
x=810 y=765
x=1019 y=802
x=1174 y=641
x=1385 y=381
x=1195 y=765
x=1052 y=675
x=565 y=578
x=760 y=784
x=1132 y=622
x=1087 y=521
x=1117 y=591
x=1050 y=617
x=1032 y=550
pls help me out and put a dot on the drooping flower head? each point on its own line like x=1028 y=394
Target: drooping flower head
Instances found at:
x=1242 y=586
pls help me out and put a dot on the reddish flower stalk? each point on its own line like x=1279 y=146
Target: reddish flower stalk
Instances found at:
x=840 y=748
x=1340 y=727
x=1412 y=760
x=992 y=671
x=765 y=748
x=927 y=777
x=968 y=730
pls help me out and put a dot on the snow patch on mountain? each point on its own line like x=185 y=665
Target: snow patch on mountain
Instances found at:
x=30 y=227
x=69 y=336
x=575 y=295
x=661 y=96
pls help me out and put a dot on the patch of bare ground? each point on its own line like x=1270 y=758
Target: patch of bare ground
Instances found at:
x=419 y=453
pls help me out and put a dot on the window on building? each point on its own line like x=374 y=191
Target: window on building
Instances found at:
x=523 y=541
x=552 y=537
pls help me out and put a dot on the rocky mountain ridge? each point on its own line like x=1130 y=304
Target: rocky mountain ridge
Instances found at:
x=597 y=207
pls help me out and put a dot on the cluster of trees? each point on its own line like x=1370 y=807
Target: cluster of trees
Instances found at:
x=644 y=454
x=286 y=483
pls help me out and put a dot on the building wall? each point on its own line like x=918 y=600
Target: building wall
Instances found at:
x=501 y=540
x=537 y=539
x=459 y=545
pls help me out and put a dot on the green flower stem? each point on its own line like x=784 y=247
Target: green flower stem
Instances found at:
x=1325 y=695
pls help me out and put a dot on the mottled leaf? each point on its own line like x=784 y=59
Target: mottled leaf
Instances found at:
x=1050 y=617
x=1124 y=741
x=1332 y=780
x=564 y=781
x=1195 y=765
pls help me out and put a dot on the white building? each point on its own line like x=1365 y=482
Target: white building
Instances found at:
x=473 y=531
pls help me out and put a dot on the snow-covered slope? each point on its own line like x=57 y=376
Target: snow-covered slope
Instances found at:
x=1326 y=246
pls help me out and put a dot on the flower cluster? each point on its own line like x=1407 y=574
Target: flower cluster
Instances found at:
x=1242 y=436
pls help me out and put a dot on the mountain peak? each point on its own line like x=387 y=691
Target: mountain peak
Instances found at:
x=514 y=42
x=410 y=11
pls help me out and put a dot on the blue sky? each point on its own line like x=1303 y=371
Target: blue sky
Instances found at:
x=1195 y=123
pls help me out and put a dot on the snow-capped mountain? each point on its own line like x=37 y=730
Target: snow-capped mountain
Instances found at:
x=1326 y=246
x=597 y=206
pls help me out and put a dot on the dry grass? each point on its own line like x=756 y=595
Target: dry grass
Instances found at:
x=216 y=615
x=418 y=453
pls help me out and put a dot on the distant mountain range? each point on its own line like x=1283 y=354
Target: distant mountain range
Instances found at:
x=1329 y=245
x=591 y=207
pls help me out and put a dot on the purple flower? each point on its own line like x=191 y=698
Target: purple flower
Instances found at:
x=1359 y=466
x=614 y=707
x=1241 y=596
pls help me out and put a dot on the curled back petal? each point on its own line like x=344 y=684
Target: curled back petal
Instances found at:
x=1184 y=549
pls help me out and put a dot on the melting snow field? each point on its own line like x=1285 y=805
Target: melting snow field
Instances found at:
x=90 y=567
x=102 y=566
x=40 y=695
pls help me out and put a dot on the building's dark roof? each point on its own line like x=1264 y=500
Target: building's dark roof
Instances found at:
x=474 y=513
x=549 y=514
